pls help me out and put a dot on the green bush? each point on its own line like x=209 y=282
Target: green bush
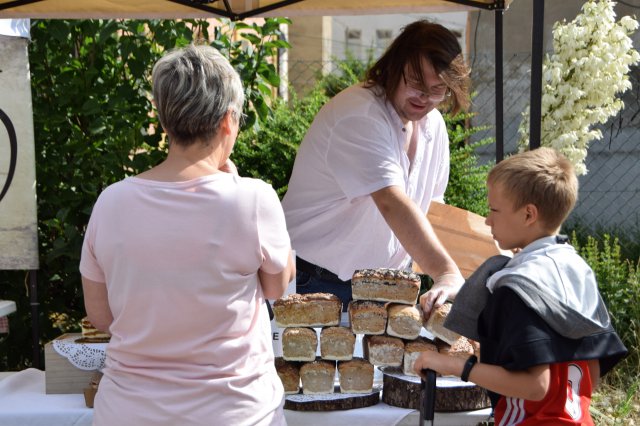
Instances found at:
x=619 y=283
x=268 y=153
x=467 y=187
x=93 y=127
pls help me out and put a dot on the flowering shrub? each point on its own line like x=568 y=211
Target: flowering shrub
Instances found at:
x=582 y=78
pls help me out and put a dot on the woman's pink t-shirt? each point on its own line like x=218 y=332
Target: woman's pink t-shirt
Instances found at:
x=191 y=333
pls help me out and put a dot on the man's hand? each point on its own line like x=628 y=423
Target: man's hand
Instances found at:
x=445 y=287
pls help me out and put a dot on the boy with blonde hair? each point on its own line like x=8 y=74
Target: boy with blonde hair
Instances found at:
x=544 y=331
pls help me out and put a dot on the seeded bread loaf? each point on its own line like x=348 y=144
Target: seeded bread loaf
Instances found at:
x=404 y=321
x=289 y=373
x=317 y=377
x=356 y=376
x=385 y=285
x=412 y=351
x=367 y=317
x=299 y=344
x=461 y=348
x=383 y=351
x=307 y=310
x=435 y=324
x=337 y=343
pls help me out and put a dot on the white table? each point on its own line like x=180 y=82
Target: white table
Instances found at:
x=23 y=402
x=7 y=307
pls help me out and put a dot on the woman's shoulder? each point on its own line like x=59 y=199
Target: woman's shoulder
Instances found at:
x=254 y=184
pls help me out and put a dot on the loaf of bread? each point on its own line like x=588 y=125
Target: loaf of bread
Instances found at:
x=461 y=348
x=289 y=373
x=412 y=351
x=90 y=334
x=317 y=377
x=299 y=344
x=404 y=321
x=356 y=376
x=337 y=343
x=386 y=285
x=307 y=310
x=367 y=317
x=383 y=351
x=435 y=324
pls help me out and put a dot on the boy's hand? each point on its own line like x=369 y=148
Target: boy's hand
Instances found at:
x=445 y=365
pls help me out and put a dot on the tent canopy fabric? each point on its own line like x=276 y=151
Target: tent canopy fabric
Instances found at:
x=234 y=9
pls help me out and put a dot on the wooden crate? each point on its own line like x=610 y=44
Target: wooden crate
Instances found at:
x=60 y=375
x=465 y=236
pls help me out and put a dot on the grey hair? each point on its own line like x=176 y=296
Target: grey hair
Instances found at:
x=193 y=89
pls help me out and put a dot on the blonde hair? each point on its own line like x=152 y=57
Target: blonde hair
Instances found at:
x=542 y=177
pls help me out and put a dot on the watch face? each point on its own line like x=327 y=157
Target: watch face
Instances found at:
x=8 y=153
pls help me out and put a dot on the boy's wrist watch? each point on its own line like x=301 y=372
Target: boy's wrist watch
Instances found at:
x=471 y=361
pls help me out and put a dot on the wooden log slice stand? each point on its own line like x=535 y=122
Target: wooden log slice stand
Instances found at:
x=452 y=394
x=332 y=401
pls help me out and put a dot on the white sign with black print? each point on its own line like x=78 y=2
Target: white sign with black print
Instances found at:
x=18 y=210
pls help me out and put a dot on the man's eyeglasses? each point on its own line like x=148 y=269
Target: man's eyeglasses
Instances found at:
x=435 y=95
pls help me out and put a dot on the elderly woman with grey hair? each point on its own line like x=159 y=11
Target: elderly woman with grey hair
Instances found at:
x=178 y=261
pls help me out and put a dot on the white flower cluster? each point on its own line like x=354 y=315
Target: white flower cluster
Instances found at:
x=582 y=78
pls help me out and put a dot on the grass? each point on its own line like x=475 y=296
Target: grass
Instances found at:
x=616 y=406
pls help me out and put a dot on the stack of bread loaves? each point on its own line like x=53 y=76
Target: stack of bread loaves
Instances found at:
x=299 y=315
x=383 y=309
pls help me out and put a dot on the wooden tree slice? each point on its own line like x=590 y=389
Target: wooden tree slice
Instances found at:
x=331 y=401
x=452 y=394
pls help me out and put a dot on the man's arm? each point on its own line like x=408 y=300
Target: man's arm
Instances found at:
x=412 y=228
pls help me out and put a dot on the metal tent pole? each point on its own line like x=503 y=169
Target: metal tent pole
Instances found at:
x=537 y=48
x=499 y=77
x=35 y=318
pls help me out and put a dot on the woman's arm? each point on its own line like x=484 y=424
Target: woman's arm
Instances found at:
x=531 y=384
x=274 y=285
x=96 y=303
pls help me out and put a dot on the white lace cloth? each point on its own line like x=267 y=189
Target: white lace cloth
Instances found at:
x=85 y=356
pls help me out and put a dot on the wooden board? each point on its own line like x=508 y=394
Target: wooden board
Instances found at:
x=60 y=375
x=452 y=394
x=330 y=402
x=465 y=236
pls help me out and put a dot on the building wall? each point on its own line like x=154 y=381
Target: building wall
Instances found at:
x=608 y=196
x=317 y=43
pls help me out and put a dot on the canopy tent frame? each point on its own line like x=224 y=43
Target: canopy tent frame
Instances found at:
x=497 y=6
